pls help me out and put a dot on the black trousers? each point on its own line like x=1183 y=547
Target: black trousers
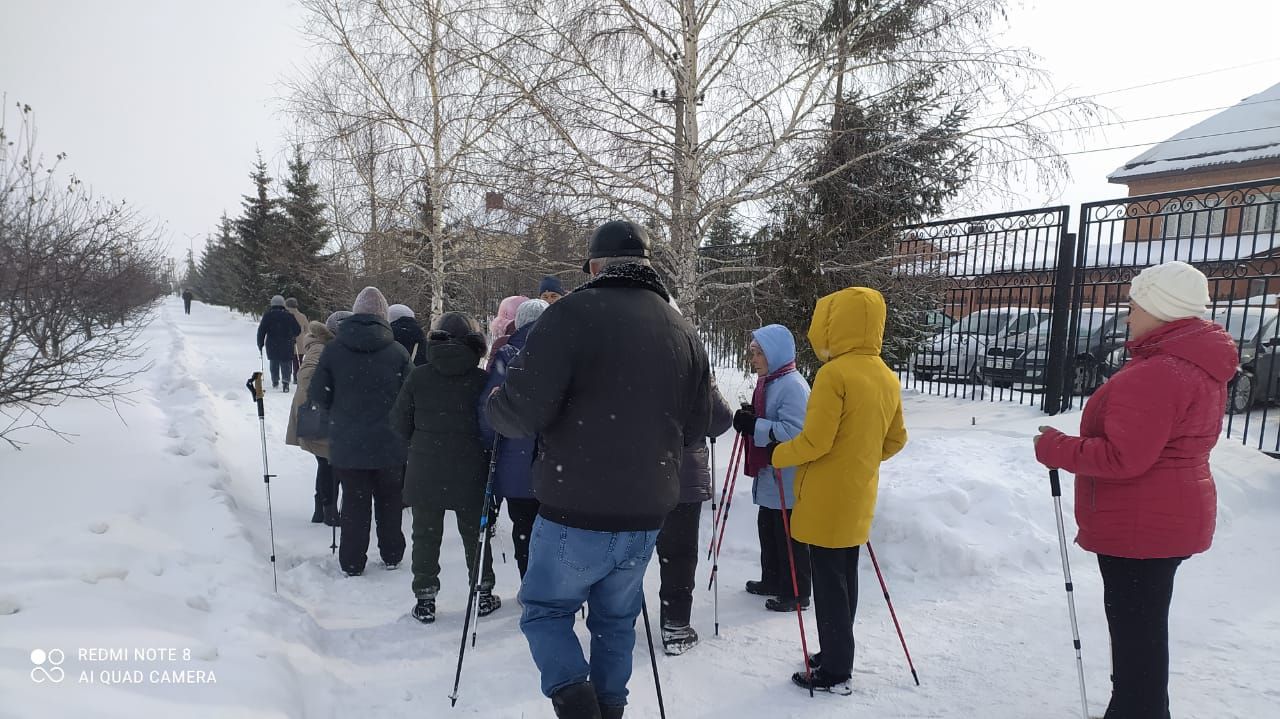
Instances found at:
x=522 y=512
x=326 y=482
x=775 y=562
x=1136 y=594
x=678 y=561
x=279 y=367
x=835 y=596
x=361 y=490
x=186 y=305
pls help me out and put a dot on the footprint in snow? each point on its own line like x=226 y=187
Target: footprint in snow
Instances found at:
x=8 y=605
x=99 y=527
x=93 y=576
x=198 y=603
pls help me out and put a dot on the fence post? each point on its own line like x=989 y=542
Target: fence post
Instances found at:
x=1056 y=383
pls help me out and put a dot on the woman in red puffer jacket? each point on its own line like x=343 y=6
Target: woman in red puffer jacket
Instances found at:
x=1145 y=498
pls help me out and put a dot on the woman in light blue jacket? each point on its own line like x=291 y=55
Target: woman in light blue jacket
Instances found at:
x=776 y=414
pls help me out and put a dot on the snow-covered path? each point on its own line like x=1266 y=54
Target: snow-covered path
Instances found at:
x=155 y=534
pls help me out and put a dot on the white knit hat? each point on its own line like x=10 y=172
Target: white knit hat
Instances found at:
x=395 y=312
x=1172 y=291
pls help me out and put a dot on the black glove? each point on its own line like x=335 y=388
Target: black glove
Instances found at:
x=744 y=421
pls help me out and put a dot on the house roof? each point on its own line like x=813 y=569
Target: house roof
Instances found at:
x=1245 y=132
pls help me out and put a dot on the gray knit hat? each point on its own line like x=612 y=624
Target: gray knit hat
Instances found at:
x=331 y=324
x=277 y=301
x=370 y=302
x=395 y=312
x=529 y=312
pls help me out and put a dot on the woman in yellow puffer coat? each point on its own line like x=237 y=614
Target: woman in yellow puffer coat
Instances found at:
x=852 y=424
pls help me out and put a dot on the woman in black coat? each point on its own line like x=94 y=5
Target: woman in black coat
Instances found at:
x=438 y=413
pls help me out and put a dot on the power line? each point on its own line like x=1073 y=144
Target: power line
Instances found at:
x=1128 y=147
x=1166 y=81
x=1158 y=117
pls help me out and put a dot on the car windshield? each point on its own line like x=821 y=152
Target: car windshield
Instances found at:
x=983 y=322
x=1092 y=321
x=1242 y=323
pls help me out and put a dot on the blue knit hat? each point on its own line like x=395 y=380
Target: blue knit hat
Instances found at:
x=551 y=283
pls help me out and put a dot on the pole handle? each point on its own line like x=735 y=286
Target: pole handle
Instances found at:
x=1055 y=484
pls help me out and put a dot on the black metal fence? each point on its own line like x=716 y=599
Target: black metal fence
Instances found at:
x=1036 y=314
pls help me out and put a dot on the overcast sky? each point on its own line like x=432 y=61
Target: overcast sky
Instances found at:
x=163 y=102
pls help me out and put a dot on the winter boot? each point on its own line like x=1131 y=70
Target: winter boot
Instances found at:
x=488 y=602
x=609 y=711
x=761 y=589
x=331 y=517
x=576 y=701
x=677 y=639
x=785 y=604
x=286 y=388
x=318 y=515
x=823 y=682
x=425 y=610
x=815 y=660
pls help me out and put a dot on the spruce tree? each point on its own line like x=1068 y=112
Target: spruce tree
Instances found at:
x=302 y=266
x=259 y=229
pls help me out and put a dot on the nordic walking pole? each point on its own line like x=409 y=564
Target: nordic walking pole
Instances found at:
x=333 y=546
x=885 y=589
x=715 y=579
x=254 y=385
x=731 y=481
x=724 y=492
x=653 y=658
x=795 y=583
x=473 y=606
x=1056 y=487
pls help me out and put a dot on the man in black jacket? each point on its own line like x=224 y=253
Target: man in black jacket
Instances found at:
x=358 y=379
x=278 y=331
x=616 y=384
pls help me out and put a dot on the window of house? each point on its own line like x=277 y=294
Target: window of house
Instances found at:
x=1261 y=214
x=1192 y=217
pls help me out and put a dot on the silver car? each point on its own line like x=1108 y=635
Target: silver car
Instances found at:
x=957 y=352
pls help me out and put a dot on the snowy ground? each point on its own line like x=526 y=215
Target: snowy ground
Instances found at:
x=152 y=533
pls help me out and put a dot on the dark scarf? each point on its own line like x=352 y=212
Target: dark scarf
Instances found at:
x=758 y=457
x=629 y=275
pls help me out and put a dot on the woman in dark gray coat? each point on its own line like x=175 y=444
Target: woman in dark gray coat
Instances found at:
x=358 y=378
x=438 y=413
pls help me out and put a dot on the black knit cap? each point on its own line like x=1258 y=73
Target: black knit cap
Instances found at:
x=617 y=238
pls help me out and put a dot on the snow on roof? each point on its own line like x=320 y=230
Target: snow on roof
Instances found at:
x=1245 y=132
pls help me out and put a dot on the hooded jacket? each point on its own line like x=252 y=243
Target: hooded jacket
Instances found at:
x=853 y=423
x=785 y=400
x=317 y=337
x=1144 y=489
x=277 y=332
x=358 y=379
x=616 y=384
x=437 y=413
x=300 y=343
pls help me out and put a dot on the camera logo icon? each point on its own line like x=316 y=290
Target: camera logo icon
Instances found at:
x=53 y=673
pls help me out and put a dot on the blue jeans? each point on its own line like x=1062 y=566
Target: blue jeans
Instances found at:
x=567 y=568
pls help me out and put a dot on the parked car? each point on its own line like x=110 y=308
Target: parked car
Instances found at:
x=1256 y=330
x=929 y=323
x=956 y=353
x=1023 y=359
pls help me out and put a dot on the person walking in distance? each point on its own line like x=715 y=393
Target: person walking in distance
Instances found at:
x=277 y=333
x=357 y=379
x=615 y=383
x=1145 y=495
x=187 y=296
x=775 y=414
x=852 y=424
